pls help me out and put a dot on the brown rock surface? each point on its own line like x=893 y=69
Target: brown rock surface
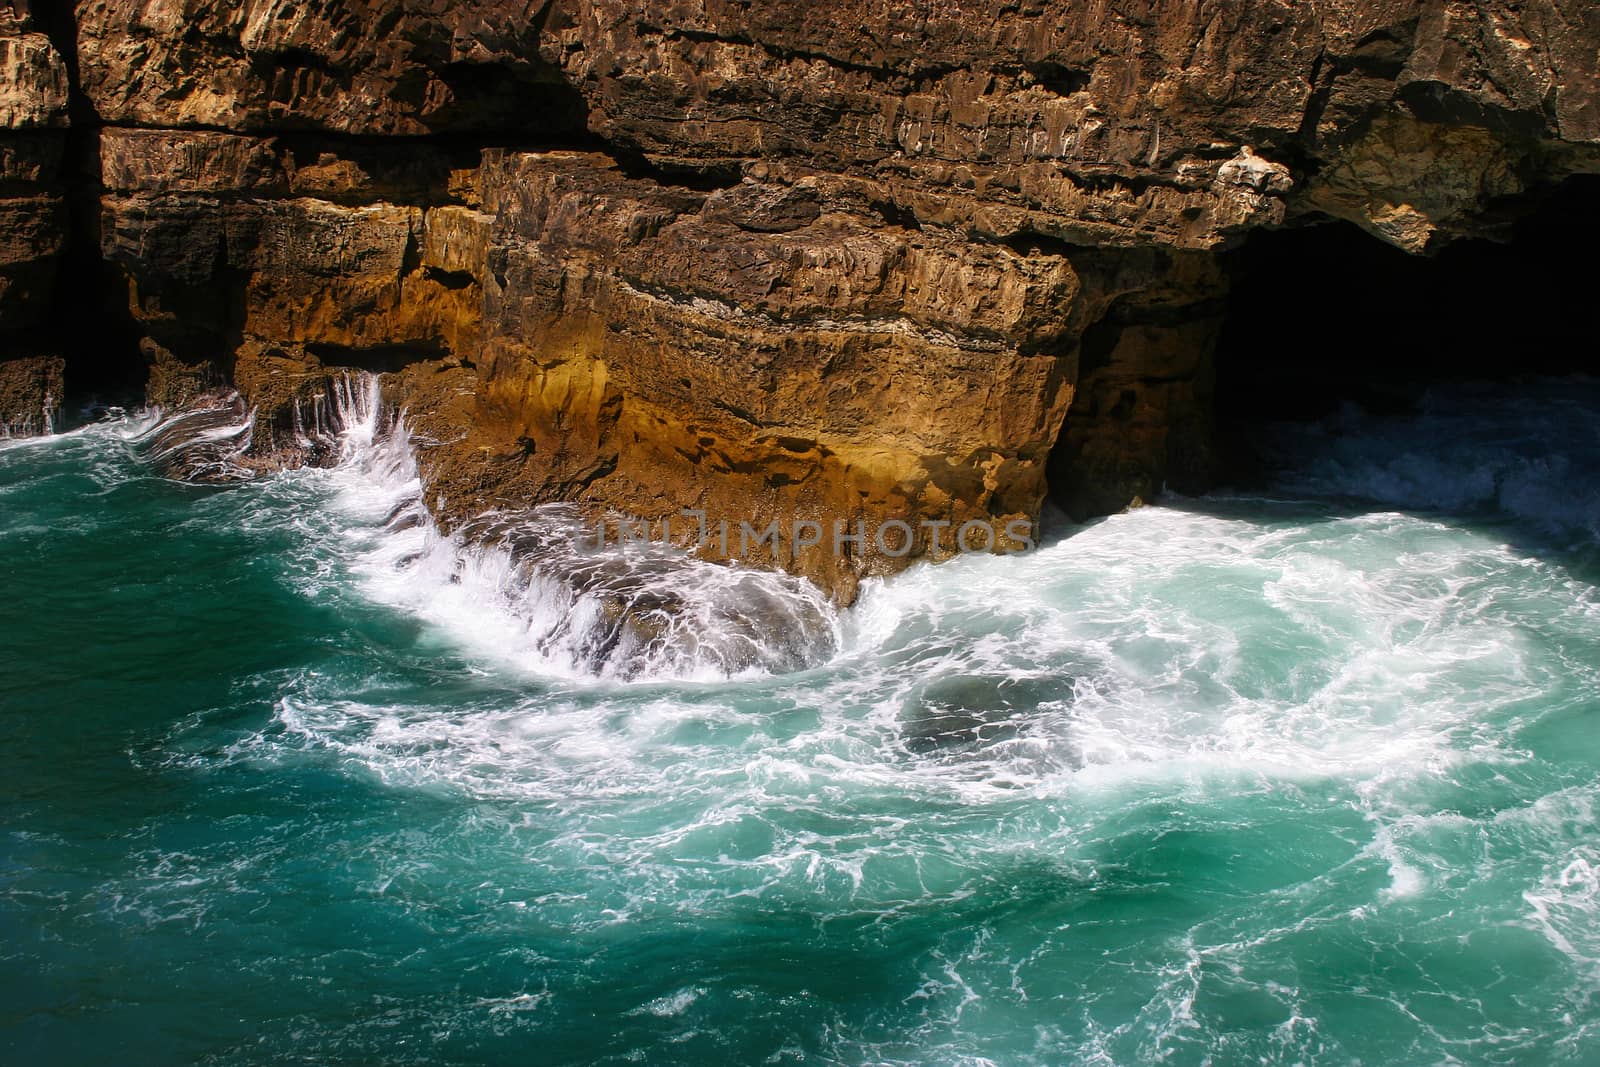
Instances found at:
x=821 y=261
x=31 y=388
x=33 y=224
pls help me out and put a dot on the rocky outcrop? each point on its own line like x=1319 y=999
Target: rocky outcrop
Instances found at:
x=815 y=261
x=33 y=117
x=31 y=390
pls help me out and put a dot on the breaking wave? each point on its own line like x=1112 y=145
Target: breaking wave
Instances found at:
x=1307 y=777
x=1527 y=452
x=527 y=588
x=521 y=588
x=1323 y=721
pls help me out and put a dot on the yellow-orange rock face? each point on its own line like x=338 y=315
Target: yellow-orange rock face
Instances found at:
x=822 y=262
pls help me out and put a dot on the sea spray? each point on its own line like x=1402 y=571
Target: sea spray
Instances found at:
x=527 y=588
x=1528 y=452
x=205 y=443
x=1292 y=778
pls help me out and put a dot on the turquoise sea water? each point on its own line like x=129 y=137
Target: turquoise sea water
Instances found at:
x=1305 y=777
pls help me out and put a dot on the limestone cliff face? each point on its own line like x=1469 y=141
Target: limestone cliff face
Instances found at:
x=33 y=114
x=834 y=261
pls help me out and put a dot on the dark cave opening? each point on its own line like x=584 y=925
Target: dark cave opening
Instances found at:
x=1322 y=316
x=1315 y=321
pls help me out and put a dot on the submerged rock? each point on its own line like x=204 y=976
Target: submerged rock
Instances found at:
x=964 y=714
x=640 y=611
x=204 y=444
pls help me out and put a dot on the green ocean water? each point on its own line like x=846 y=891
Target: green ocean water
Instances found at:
x=1310 y=777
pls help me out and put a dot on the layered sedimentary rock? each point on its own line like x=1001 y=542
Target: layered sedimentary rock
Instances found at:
x=833 y=262
x=33 y=118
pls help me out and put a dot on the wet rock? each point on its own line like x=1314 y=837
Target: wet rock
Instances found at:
x=633 y=610
x=968 y=713
x=31 y=388
x=812 y=262
x=204 y=445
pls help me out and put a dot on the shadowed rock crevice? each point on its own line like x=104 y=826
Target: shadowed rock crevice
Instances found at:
x=47 y=312
x=1140 y=420
x=378 y=359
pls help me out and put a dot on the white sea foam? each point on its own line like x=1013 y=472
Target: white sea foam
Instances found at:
x=972 y=729
x=1180 y=649
x=206 y=443
x=114 y=424
x=1528 y=451
x=1116 y=660
x=1172 y=651
x=526 y=589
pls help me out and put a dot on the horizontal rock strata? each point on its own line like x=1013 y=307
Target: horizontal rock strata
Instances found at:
x=834 y=262
x=33 y=118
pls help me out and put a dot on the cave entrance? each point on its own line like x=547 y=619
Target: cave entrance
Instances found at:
x=1323 y=316
x=1310 y=320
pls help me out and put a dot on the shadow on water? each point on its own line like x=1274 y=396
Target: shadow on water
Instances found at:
x=1580 y=557
x=1514 y=461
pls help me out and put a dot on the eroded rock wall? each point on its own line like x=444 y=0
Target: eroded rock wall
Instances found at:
x=829 y=261
x=33 y=225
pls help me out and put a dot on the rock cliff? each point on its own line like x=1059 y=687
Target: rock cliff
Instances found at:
x=33 y=116
x=844 y=262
